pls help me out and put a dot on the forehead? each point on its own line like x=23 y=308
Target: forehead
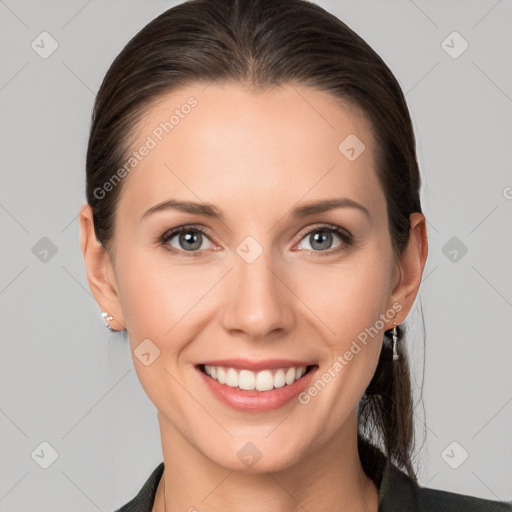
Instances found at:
x=219 y=142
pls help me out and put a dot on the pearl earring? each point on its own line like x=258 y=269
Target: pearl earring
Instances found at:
x=107 y=319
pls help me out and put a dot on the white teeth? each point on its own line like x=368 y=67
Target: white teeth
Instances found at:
x=291 y=375
x=264 y=381
x=261 y=381
x=221 y=374
x=232 y=378
x=246 y=380
x=279 y=378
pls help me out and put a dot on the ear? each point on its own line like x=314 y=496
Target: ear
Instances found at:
x=410 y=268
x=100 y=272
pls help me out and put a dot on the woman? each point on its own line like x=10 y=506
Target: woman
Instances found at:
x=253 y=221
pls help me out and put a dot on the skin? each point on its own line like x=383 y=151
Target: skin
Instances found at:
x=255 y=157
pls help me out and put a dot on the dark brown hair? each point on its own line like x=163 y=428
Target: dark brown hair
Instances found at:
x=261 y=44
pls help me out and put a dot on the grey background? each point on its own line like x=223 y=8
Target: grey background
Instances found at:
x=67 y=381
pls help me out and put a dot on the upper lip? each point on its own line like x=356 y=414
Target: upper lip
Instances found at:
x=247 y=364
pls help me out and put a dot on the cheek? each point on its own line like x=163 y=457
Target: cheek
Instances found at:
x=348 y=297
x=349 y=303
x=158 y=293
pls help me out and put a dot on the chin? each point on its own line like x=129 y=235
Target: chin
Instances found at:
x=253 y=458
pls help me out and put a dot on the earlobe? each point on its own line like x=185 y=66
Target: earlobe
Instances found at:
x=411 y=265
x=99 y=270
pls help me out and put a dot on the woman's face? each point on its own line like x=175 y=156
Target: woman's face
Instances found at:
x=262 y=282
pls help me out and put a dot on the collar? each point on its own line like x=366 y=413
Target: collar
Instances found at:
x=397 y=491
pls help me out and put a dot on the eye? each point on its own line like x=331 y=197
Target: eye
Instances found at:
x=320 y=239
x=189 y=239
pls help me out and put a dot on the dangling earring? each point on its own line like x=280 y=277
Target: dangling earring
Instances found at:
x=395 y=340
x=107 y=319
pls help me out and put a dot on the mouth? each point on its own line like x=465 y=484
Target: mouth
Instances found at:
x=260 y=381
x=266 y=390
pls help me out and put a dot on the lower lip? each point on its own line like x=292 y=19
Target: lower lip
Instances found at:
x=257 y=401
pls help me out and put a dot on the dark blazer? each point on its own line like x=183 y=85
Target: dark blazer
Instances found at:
x=398 y=493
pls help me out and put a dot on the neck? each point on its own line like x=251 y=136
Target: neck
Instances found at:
x=330 y=478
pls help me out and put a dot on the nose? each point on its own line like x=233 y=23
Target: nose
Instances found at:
x=259 y=301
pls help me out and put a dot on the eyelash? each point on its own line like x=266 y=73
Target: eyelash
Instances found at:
x=345 y=236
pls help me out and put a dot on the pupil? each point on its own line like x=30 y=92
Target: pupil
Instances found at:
x=317 y=237
x=191 y=240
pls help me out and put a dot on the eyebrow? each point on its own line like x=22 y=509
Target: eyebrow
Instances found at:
x=210 y=210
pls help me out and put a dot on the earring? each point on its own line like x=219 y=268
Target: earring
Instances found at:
x=107 y=319
x=395 y=340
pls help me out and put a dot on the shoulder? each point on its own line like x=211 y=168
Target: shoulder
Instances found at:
x=143 y=501
x=400 y=493
x=433 y=499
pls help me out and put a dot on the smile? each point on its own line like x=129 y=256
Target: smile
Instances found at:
x=264 y=380
x=267 y=389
